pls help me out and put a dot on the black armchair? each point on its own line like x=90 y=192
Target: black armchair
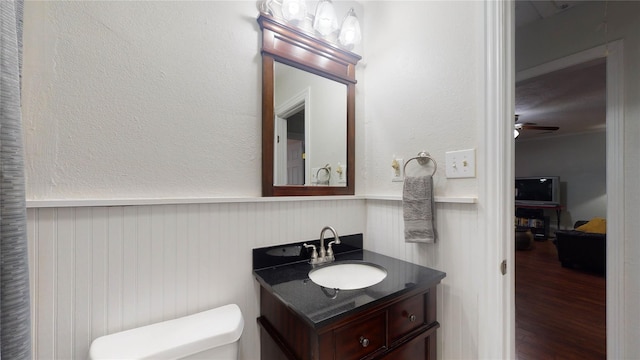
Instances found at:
x=578 y=249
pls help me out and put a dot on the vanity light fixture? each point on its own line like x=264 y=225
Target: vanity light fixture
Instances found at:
x=294 y=10
x=350 y=34
x=515 y=133
x=325 y=22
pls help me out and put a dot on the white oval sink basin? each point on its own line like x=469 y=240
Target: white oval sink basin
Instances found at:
x=348 y=276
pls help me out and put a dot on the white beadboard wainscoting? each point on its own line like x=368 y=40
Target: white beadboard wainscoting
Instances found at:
x=101 y=269
x=454 y=253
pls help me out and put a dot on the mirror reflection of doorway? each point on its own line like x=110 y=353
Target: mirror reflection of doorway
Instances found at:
x=290 y=148
x=295 y=148
x=292 y=141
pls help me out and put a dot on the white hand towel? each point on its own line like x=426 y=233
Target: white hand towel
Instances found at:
x=418 y=209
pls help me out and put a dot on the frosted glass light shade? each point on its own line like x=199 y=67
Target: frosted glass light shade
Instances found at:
x=294 y=10
x=325 y=21
x=515 y=133
x=350 y=34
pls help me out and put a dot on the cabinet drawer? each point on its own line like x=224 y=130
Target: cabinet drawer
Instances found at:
x=406 y=316
x=362 y=338
x=416 y=349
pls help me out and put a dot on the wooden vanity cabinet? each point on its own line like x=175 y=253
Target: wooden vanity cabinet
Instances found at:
x=402 y=327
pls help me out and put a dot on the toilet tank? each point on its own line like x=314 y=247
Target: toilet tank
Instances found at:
x=211 y=334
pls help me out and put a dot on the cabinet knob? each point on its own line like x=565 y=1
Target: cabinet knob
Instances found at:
x=412 y=318
x=364 y=341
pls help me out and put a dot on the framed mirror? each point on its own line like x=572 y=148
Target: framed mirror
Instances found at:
x=308 y=113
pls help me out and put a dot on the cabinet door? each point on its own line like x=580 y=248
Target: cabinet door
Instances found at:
x=269 y=348
x=406 y=316
x=357 y=340
x=417 y=349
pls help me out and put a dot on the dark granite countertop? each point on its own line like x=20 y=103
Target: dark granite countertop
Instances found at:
x=289 y=281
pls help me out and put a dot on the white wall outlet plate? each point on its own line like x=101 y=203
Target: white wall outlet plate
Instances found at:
x=397 y=175
x=461 y=163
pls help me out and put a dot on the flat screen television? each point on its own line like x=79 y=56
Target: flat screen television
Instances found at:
x=538 y=190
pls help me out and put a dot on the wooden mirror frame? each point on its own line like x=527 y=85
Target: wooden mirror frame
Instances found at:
x=296 y=48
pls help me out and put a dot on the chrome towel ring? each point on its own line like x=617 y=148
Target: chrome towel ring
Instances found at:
x=422 y=158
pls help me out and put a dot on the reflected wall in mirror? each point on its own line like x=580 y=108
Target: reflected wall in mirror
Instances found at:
x=310 y=129
x=308 y=113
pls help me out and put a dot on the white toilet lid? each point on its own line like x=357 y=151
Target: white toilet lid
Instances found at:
x=173 y=338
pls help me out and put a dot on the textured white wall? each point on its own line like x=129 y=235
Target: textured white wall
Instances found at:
x=139 y=99
x=422 y=88
x=143 y=99
x=580 y=161
x=581 y=29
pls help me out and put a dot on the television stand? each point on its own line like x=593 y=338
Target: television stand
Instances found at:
x=540 y=215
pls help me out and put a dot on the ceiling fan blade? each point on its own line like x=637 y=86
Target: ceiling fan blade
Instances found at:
x=539 y=127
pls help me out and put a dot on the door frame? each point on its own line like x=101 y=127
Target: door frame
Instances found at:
x=496 y=303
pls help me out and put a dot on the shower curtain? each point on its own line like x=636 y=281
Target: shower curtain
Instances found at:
x=15 y=313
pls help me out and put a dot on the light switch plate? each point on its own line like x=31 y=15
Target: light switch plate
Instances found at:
x=461 y=163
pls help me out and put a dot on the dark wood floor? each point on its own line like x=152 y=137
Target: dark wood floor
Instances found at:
x=560 y=313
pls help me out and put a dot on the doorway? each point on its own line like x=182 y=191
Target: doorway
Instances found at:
x=614 y=180
x=561 y=117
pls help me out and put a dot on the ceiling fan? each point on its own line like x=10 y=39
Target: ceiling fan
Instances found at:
x=530 y=126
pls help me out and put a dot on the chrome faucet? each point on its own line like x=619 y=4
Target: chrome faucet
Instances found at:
x=324 y=255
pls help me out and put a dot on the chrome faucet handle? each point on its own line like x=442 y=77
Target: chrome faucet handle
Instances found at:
x=314 y=253
x=330 y=249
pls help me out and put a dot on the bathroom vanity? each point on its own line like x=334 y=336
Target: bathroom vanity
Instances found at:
x=393 y=319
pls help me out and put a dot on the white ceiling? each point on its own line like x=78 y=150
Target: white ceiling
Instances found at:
x=528 y=11
x=573 y=99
